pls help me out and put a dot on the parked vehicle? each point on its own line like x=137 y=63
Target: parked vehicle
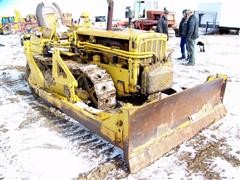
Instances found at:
x=147 y=14
x=218 y=15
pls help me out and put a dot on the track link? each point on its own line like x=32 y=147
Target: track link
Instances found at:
x=93 y=80
x=102 y=92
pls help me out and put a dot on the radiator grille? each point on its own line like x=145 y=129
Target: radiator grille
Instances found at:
x=158 y=47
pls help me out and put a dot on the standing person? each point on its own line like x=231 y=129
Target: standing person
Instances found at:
x=182 y=34
x=162 y=24
x=192 y=35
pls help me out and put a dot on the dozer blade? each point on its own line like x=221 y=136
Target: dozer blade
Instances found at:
x=156 y=128
x=147 y=132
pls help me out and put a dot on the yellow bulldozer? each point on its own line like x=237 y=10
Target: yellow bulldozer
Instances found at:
x=118 y=84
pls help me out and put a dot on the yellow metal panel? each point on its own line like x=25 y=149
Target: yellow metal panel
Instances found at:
x=63 y=81
x=117 y=126
x=117 y=74
x=126 y=34
x=36 y=76
x=122 y=53
x=51 y=20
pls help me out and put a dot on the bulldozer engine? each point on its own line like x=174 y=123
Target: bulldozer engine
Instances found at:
x=118 y=84
x=137 y=61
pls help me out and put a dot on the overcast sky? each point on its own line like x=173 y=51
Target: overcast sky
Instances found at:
x=96 y=7
x=99 y=7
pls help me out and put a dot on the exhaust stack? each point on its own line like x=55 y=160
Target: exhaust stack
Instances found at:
x=110 y=15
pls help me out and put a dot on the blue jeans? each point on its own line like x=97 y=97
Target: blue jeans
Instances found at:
x=183 y=46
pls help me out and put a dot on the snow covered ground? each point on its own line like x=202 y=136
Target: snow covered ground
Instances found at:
x=38 y=142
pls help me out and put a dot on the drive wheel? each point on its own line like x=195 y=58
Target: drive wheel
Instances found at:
x=86 y=90
x=95 y=85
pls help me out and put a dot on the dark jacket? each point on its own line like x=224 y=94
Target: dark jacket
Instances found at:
x=183 y=27
x=162 y=25
x=192 y=27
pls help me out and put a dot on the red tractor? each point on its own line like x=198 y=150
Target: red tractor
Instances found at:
x=151 y=19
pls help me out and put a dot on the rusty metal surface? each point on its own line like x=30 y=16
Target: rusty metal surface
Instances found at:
x=159 y=78
x=110 y=15
x=102 y=81
x=155 y=150
x=156 y=119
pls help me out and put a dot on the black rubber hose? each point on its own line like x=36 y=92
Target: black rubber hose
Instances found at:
x=59 y=11
x=39 y=15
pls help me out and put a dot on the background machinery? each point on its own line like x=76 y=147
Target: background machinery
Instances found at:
x=6 y=24
x=16 y=23
x=118 y=84
x=147 y=14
